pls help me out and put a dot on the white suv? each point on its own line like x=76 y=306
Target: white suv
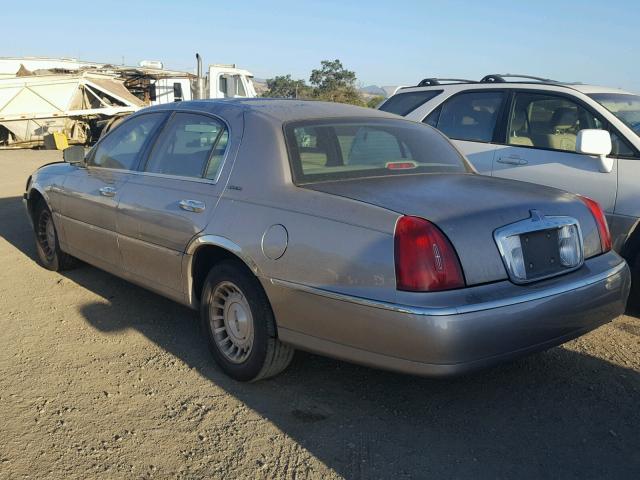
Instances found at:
x=580 y=138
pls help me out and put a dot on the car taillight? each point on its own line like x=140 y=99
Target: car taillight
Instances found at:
x=603 y=228
x=425 y=259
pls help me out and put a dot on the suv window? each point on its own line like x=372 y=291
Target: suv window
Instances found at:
x=121 y=147
x=548 y=121
x=405 y=103
x=468 y=116
x=191 y=145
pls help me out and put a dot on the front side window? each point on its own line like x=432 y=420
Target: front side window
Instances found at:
x=335 y=150
x=405 y=103
x=191 y=145
x=548 y=121
x=624 y=106
x=240 y=91
x=468 y=116
x=121 y=148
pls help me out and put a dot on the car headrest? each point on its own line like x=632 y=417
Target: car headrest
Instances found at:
x=564 y=117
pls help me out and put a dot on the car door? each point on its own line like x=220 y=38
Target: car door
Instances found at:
x=469 y=119
x=90 y=193
x=171 y=199
x=540 y=147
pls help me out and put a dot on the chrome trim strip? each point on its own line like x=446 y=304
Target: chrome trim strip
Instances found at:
x=457 y=310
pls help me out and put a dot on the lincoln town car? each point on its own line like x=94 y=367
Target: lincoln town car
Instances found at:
x=340 y=230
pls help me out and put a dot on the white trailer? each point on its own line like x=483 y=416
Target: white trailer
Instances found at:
x=40 y=96
x=35 y=106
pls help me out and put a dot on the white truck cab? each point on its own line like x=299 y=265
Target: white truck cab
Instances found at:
x=227 y=81
x=220 y=81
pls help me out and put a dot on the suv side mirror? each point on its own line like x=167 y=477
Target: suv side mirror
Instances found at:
x=597 y=143
x=73 y=154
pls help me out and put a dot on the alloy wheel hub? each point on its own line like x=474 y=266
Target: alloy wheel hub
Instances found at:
x=231 y=322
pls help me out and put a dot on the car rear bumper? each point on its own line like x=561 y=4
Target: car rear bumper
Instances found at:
x=504 y=321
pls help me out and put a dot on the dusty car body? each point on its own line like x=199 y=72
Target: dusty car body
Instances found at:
x=339 y=230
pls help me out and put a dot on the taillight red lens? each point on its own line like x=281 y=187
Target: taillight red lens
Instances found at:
x=425 y=259
x=601 y=221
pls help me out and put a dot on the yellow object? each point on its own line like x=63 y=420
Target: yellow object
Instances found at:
x=55 y=141
x=60 y=140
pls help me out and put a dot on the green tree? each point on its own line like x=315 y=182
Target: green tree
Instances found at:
x=333 y=82
x=284 y=86
x=332 y=76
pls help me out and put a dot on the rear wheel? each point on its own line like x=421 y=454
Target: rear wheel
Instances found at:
x=239 y=324
x=47 y=246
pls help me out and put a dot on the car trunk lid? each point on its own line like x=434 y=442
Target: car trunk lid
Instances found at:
x=468 y=208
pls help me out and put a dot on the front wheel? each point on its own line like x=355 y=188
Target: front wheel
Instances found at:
x=48 y=248
x=239 y=324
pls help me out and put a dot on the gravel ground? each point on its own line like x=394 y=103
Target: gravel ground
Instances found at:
x=102 y=379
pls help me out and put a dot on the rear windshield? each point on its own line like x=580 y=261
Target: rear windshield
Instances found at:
x=405 y=103
x=341 y=149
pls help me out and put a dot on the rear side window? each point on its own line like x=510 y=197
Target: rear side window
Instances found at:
x=324 y=151
x=190 y=145
x=120 y=149
x=468 y=116
x=405 y=103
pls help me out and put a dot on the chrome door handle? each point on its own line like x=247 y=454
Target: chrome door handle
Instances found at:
x=192 y=205
x=512 y=160
x=108 y=192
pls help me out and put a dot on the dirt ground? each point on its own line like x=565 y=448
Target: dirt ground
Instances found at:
x=102 y=379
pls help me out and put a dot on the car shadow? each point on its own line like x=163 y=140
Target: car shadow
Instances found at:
x=557 y=414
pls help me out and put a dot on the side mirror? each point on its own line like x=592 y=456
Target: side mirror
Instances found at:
x=596 y=143
x=73 y=154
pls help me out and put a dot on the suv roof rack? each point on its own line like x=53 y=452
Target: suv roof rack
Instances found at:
x=493 y=78
x=501 y=78
x=430 y=82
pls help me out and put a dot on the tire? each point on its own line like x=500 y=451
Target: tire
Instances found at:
x=238 y=322
x=47 y=246
x=633 y=303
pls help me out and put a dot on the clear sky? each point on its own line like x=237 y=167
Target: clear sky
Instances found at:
x=384 y=42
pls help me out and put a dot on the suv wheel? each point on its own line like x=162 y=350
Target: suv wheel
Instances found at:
x=239 y=324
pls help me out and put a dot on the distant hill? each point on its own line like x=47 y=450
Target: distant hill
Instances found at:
x=260 y=84
x=373 y=90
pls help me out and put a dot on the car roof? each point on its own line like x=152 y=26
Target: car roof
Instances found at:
x=587 y=89
x=280 y=110
x=460 y=86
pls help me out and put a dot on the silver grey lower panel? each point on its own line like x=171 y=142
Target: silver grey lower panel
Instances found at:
x=443 y=344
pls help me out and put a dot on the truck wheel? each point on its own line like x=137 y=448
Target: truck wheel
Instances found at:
x=239 y=324
x=49 y=254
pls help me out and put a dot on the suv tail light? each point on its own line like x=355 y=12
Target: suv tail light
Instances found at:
x=603 y=228
x=425 y=259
